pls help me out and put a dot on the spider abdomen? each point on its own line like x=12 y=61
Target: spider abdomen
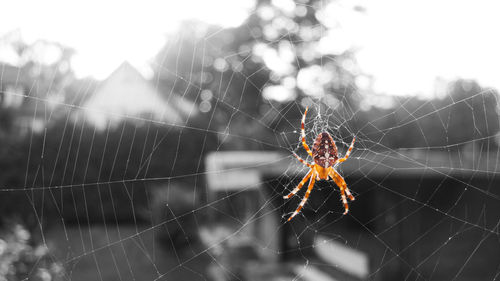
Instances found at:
x=324 y=150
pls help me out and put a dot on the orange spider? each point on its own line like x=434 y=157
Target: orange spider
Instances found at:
x=324 y=153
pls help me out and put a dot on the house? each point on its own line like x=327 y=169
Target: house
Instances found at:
x=32 y=102
x=126 y=94
x=404 y=198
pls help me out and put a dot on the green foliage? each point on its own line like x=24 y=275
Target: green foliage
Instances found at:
x=468 y=113
x=6 y=117
x=96 y=175
x=232 y=66
x=21 y=259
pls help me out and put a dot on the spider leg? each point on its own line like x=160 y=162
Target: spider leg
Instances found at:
x=306 y=196
x=303 y=133
x=302 y=182
x=349 y=194
x=348 y=151
x=346 y=206
x=339 y=180
x=302 y=160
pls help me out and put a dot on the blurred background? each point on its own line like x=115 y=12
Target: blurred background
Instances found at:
x=153 y=140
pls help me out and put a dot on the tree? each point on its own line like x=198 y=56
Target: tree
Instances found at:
x=244 y=77
x=45 y=66
x=467 y=113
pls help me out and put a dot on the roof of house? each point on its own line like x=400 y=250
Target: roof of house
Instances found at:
x=126 y=94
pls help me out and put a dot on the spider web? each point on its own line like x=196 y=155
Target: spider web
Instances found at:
x=421 y=213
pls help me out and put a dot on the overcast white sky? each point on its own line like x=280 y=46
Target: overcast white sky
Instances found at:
x=404 y=44
x=105 y=33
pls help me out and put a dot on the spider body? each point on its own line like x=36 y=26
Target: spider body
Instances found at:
x=324 y=150
x=325 y=155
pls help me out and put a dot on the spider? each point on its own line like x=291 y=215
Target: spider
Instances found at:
x=324 y=153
